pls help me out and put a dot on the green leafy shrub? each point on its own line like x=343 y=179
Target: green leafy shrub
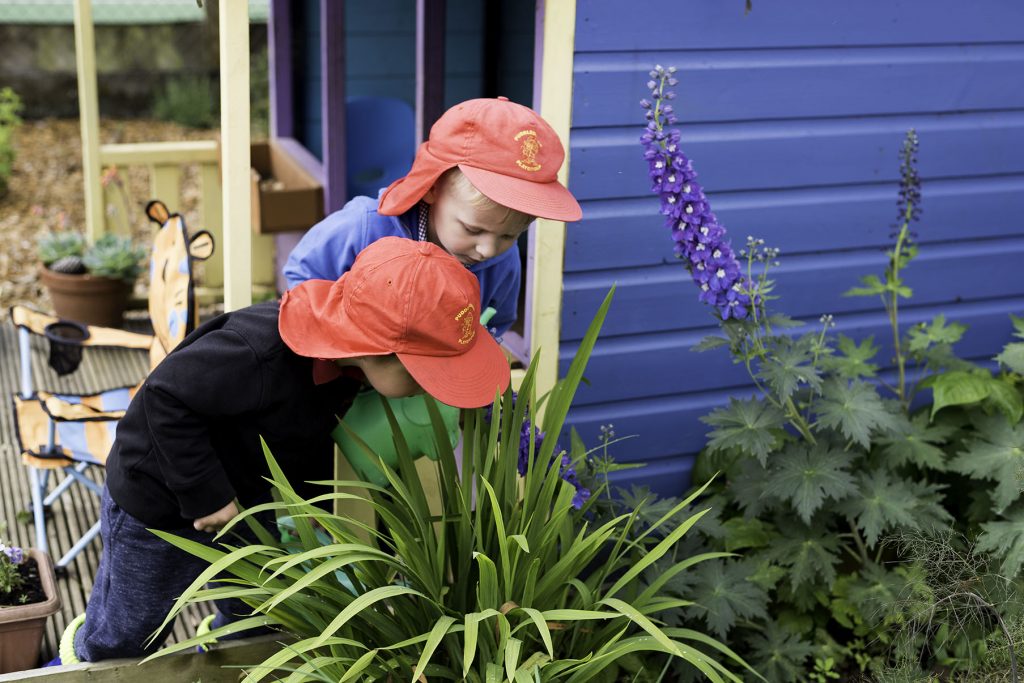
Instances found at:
x=882 y=533
x=10 y=107
x=508 y=582
x=188 y=100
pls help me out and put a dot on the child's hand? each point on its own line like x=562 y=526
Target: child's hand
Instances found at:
x=214 y=522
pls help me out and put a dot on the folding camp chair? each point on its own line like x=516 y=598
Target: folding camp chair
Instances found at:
x=74 y=432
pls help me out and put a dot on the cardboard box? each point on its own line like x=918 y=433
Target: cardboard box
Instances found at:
x=294 y=201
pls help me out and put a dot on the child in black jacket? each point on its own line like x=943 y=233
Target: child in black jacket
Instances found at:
x=404 y=319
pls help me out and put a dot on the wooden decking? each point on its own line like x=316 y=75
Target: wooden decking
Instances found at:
x=78 y=508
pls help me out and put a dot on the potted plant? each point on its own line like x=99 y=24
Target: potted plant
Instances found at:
x=28 y=596
x=90 y=284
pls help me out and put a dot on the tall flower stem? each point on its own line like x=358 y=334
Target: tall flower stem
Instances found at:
x=893 y=307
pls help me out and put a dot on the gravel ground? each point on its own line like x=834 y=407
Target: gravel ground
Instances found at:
x=46 y=193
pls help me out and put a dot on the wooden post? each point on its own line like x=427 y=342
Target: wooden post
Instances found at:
x=89 y=118
x=234 y=129
x=332 y=91
x=430 y=25
x=548 y=244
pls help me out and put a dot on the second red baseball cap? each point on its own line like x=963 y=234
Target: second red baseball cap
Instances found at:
x=408 y=298
x=507 y=151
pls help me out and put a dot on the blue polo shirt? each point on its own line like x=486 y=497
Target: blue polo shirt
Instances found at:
x=330 y=247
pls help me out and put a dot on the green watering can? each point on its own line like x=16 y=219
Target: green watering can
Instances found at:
x=367 y=419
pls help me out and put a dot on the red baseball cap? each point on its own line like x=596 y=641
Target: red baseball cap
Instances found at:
x=506 y=150
x=408 y=298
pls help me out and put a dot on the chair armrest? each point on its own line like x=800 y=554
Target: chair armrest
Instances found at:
x=36 y=322
x=65 y=411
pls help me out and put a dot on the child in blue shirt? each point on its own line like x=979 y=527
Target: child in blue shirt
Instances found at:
x=488 y=169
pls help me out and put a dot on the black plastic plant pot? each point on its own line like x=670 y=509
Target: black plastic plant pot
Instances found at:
x=65 y=337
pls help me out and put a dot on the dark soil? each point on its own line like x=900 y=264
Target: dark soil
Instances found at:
x=31 y=589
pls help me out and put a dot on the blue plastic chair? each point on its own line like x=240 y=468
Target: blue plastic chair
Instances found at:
x=380 y=143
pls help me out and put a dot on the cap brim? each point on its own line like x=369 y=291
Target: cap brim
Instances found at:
x=402 y=195
x=469 y=380
x=543 y=200
x=308 y=323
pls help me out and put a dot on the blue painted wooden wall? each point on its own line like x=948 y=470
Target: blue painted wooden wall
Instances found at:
x=793 y=116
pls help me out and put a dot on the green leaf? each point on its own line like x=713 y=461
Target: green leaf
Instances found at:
x=1005 y=397
x=959 y=388
x=1013 y=357
x=789 y=366
x=752 y=426
x=1005 y=540
x=853 y=361
x=854 y=408
x=748 y=489
x=996 y=454
x=779 y=656
x=741 y=532
x=810 y=553
x=884 y=502
x=805 y=476
x=929 y=506
x=873 y=286
x=723 y=594
x=936 y=332
x=710 y=342
x=916 y=441
x=1018 y=326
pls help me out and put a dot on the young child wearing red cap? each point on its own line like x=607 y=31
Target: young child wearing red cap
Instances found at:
x=488 y=169
x=404 y=319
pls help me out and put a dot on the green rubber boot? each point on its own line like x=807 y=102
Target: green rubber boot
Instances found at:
x=66 y=649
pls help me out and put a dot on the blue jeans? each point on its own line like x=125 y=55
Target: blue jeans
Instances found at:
x=139 y=578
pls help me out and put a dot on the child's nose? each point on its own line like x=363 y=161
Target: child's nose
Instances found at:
x=486 y=248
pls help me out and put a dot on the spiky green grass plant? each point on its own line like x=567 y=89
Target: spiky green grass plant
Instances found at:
x=509 y=582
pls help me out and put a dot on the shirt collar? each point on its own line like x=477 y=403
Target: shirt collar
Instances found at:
x=325 y=371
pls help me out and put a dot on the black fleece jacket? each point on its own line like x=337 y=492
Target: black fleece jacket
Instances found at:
x=190 y=440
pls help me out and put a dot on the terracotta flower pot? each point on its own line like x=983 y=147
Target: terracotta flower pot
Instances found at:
x=21 y=627
x=87 y=298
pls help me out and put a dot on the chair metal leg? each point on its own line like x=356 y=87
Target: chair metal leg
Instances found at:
x=64 y=485
x=37 y=508
x=78 y=547
x=85 y=481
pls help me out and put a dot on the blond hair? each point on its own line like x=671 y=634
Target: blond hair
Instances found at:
x=455 y=179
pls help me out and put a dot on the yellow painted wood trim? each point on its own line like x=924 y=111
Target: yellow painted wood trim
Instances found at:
x=165 y=184
x=549 y=240
x=234 y=126
x=146 y=153
x=89 y=118
x=211 y=213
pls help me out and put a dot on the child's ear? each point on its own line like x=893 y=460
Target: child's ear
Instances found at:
x=431 y=196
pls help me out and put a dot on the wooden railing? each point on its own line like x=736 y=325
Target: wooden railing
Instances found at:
x=166 y=162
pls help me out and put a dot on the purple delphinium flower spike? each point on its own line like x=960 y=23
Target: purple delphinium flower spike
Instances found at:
x=909 y=203
x=698 y=239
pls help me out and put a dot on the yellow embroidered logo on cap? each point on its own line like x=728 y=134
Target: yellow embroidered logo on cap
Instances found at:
x=468 y=320
x=531 y=145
